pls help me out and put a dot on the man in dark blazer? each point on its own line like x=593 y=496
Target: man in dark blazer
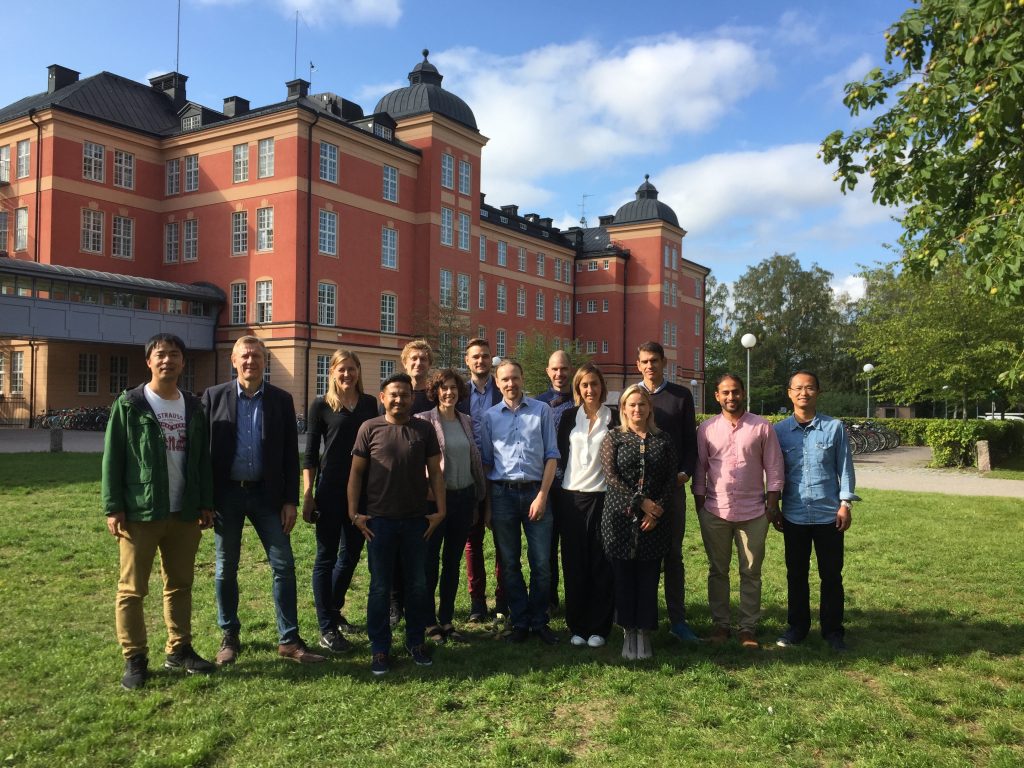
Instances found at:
x=254 y=447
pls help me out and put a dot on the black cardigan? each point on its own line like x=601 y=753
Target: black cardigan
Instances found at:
x=565 y=425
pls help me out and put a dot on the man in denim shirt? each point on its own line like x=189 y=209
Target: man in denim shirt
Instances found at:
x=816 y=504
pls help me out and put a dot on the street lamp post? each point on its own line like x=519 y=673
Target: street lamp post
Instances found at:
x=945 y=401
x=868 y=369
x=693 y=391
x=748 y=341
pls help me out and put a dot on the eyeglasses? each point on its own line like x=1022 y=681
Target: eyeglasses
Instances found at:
x=809 y=389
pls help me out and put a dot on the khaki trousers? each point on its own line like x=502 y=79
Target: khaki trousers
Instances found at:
x=178 y=542
x=749 y=537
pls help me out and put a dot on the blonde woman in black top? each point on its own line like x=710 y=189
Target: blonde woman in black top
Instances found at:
x=334 y=419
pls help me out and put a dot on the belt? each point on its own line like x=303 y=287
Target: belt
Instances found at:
x=247 y=483
x=516 y=484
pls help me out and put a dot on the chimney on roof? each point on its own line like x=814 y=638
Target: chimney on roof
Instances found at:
x=546 y=222
x=297 y=89
x=604 y=221
x=59 y=77
x=510 y=210
x=533 y=218
x=173 y=85
x=236 y=106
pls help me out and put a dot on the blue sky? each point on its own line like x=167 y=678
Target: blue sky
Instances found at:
x=724 y=104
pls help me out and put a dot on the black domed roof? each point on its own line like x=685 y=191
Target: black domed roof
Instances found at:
x=646 y=207
x=424 y=94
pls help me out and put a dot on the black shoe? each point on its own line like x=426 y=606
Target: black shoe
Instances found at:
x=546 y=635
x=517 y=635
x=478 y=614
x=420 y=655
x=334 y=642
x=380 y=664
x=836 y=642
x=790 y=638
x=185 y=659
x=136 y=672
x=345 y=627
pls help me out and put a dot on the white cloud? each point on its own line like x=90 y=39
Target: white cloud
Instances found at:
x=563 y=108
x=853 y=286
x=351 y=12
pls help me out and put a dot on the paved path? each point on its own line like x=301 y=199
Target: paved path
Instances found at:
x=901 y=469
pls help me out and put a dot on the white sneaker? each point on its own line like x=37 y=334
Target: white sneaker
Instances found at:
x=629 y=644
x=643 y=644
x=595 y=641
x=577 y=641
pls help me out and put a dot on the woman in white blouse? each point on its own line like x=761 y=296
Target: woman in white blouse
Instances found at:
x=586 y=573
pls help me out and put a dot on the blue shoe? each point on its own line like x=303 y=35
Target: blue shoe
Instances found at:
x=683 y=632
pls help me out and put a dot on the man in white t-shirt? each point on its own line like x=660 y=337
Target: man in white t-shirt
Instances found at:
x=157 y=487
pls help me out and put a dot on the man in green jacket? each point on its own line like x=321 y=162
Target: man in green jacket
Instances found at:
x=158 y=495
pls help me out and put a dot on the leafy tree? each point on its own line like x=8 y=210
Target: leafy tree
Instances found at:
x=446 y=330
x=923 y=335
x=717 y=328
x=798 y=323
x=949 y=149
x=533 y=355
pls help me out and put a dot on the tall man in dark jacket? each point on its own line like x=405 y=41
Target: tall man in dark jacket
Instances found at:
x=254 y=444
x=673 y=413
x=157 y=494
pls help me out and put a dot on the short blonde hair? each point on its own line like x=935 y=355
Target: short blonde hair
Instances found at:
x=418 y=344
x=636 y=389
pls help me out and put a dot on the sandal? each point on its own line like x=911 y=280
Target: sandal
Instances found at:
x=435 y=634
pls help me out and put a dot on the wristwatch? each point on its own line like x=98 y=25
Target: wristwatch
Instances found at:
x=846 y=503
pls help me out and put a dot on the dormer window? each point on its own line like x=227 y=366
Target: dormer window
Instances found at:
x=383 y=132
x=191 y=122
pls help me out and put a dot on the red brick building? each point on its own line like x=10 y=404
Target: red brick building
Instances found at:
x=126 y=208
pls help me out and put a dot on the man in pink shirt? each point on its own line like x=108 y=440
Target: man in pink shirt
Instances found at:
x=736 y=487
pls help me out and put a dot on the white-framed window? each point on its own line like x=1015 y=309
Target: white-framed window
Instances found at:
x=124 y=169
x=579 y=306
x=172 y=243
x=328 y=162
x=665 y=297
x=123 y=246
x=191 y=240
x=264 y=301
x=21 y=229
x=240 y=163
x=326 y=303
x=462 y=293
x=388 y=311
x=502 y=304
x=323 y=374
x=172 y=177
x=390 y=191
x=675 y=295
x=24 y=158
x=92 y=161
x=266 y=366
x=605 y=264
x=2 y=372
x=389 y=248
x=465 y=177
x=445 y=296
x=383 y=131
x=191 y=122
x=264 y=229
x=591 y=347
x=5 y=230
x=591 y=306
x=541 y=266
x=328 y=241
x=539 y=305
x=239 y=233
x=265 y=155
x=696 y=359
x=665 y=258
x=604 y=305
x=88 y=373
x=447 y=171
x=500 y=342
x=387 y=369
x=558 y=270
x=558 y=309
x=239 y=307
x=481 y=292
x=665 y=332
x=675 y=335
x=464 y=226
x=5 y=163
x=592 y=266
x=566 y=314
x=520 y=341
x=522 y=259
x=502 y=253
x=696 y=325
x=566 y=273
x=698 y=287
x=483 y=248
x=173 y=306
x=17 y=373
x=675 y=257
x=604 y=347
x=447 y=216
x=92 y=231
x=191 y=173
x=521 y=301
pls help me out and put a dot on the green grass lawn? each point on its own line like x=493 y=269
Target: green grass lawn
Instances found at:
x=934 y=677
x=1011 y=468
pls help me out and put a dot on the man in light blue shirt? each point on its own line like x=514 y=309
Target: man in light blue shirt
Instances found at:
x=816 y=510
x=520 y=452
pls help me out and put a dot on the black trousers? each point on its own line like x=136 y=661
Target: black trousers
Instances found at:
x=827 y=541
x=586 y=573
x=636 y=592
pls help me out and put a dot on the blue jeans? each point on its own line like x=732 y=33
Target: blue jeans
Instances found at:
x=510 y=509
x=393 y=540
x=444 y=552
x=338 y=547
x=235 y=505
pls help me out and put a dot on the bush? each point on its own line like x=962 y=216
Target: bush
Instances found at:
x=953 y=442
x=911 y=431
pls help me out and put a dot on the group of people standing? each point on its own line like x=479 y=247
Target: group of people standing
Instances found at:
x=420 y=472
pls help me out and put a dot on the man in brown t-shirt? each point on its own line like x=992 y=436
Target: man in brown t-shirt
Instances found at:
x=395 y=455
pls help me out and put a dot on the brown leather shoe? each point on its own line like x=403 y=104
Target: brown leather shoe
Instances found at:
x=298 y=651
x=748 y=639
x=229 y=649
x=719 y=635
